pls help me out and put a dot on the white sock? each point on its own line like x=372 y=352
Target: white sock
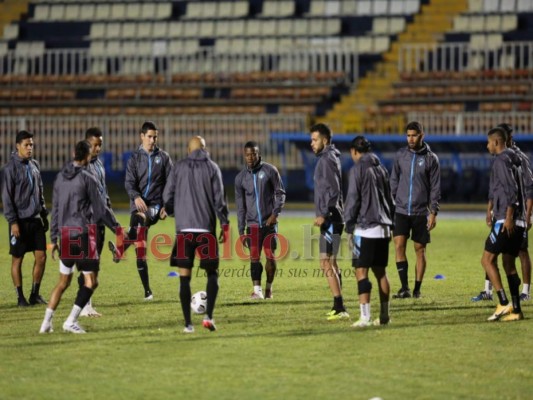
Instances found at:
x=488 y=286
x=384 y=311
x=365 y=311
x=74 y=314
x=257 y=289
x=525 y=288
x=89 y=304
x=48 y=314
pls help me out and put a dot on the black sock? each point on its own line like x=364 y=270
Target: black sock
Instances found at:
x=83 y=296
x=185 y=298
x=212 y=292
x=403 y=267
x=417 y=286
x=338 y=304
x=35 y=289
x=514 y=289
x=502 y=297
x=142 y=268
x=20 y=293
x=256 y=270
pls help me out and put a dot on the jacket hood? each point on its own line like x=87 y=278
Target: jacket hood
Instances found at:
x=515 y=158
x=70 y=170
x=369 y=159
x=198 y=155
x=330 y=148
x=422 y=150
x=15 y=157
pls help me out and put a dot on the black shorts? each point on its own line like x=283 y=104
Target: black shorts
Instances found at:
x=32 y=237
x=258 y=242
x=190 y=244
x=370 y=252
x=414 y=226
x=499 y=242
x=152 y=216
x=80 y=250
x=330 y=237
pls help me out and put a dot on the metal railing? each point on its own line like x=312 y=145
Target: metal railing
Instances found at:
x=429 y=57
x=472 y=123
x=223 y=66
x=55 y=137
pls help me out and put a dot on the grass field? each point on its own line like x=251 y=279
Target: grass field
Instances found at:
x=437 y=347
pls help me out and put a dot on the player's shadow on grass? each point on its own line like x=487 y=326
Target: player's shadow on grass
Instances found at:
x=274 y=302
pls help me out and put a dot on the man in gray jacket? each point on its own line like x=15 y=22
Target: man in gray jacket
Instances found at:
x=415 y=185
x=523 y=254
x=26 y=214
x=259 y=196
x=146 y=175
x=78 y=207
x=95 y=138
x=194 y=193
x=329 y=212
x=508 y=224
x=369 y=204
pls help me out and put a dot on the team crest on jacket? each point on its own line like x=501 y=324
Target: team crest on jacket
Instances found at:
x=158 y=160
x=261 y=175
x=420 y=162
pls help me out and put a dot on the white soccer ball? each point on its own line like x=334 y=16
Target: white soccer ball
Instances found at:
x=199 y=302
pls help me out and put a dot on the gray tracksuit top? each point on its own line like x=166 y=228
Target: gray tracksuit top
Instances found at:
x=78 y=202
x=506 y=185
x=415 y=181
x=22 y=192
x=146 y=176
x=369 y=201
x=527 y=174
x=194 y=193
x=328 y=185
x=96 y=168
x=259 y=193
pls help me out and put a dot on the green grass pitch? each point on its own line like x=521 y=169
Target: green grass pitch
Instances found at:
x=437 y=347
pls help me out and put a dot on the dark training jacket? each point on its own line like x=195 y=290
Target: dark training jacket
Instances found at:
x=22 y=191
x=415 y=181
x=506 y=185
x=328 y=185
x=527 y=174
x=77 y=202
x=194 y=193
x=369 y=201
x=146 y=176
x=259 y=193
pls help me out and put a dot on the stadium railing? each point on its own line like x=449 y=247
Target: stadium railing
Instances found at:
x=461 y=56
x=225 y=135
x=18 y=67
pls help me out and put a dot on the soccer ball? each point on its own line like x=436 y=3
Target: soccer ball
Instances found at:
x=199 y=302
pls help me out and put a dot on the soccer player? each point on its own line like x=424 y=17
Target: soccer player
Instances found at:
x=508 y=224
x=523 y=254
x=415 y=185
x=146 y=175
x=259 y=196
x=370 y=206
x=95 y=138
x=195 y=195
x=329 y=212
x=26 y=214
x=78 y=207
